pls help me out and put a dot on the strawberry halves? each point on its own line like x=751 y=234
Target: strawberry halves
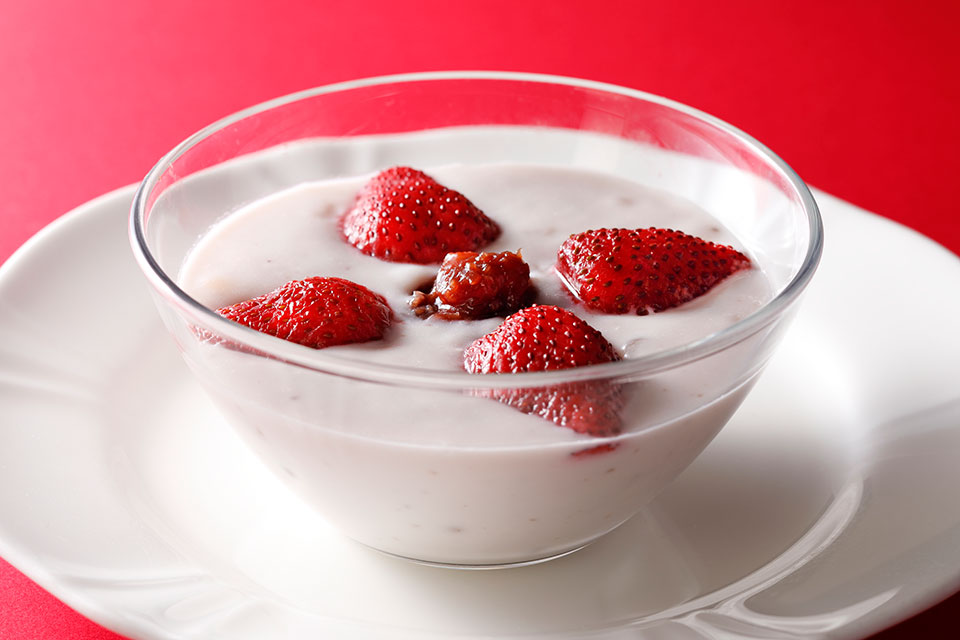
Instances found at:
x=642 y=270
x=316 y=312
x=404 y=215
x=548 y=338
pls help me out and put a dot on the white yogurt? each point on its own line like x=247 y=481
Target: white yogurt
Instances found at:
x=438 y=475
x=294 y=234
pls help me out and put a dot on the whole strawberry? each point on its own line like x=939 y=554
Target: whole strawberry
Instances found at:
x=404 y=215
x=548 y=338
x=316 y=312
x=471 y=285
x=642 y=270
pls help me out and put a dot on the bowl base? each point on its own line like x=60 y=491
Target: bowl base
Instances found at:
x=482 y=567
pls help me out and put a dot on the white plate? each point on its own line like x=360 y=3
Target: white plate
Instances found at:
x=828 y=507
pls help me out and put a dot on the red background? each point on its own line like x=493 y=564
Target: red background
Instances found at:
x=861 y=98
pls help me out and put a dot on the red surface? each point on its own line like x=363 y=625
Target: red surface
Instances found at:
x=861 y=98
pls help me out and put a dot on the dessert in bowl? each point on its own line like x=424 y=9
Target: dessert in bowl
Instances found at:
x=445 y=431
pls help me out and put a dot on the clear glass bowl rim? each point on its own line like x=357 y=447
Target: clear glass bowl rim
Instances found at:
x=323 y=361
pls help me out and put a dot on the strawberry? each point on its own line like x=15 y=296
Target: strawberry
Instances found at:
x=600 y=449
x=316 y=312
x=472 y=285
x=404 y=215
x=642 y=270
x=548 y=338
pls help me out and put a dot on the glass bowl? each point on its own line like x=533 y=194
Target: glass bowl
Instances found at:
x=395 y=456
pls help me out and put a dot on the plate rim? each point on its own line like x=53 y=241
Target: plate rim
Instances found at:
x=94 y=609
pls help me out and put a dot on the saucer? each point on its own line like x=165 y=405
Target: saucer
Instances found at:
x=827 y=507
